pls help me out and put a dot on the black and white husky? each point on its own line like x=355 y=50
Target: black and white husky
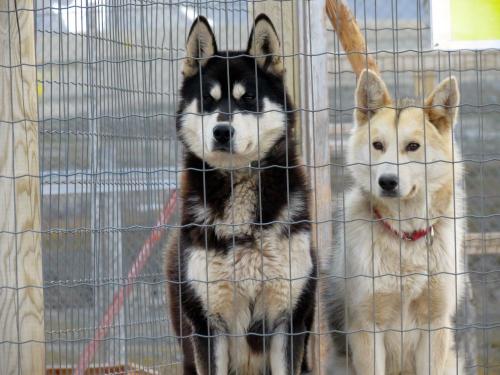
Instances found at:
x=241 y=273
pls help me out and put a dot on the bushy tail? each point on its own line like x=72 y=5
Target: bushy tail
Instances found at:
x=350 y=36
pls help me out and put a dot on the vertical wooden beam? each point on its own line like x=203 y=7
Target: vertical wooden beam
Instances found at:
x=284 y=16
x=21 y=295
x=315 y=99
x=302 y=30
x=315 y=129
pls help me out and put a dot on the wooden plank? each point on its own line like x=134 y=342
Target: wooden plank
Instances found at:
x=315 y=130
x=412 y=61
x=98 y=369
x=21 y=295
x=482 y=243
x=306 y=79
x=284 y=16
x=315 y=124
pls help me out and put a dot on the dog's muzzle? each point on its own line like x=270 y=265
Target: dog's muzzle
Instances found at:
x=223 y=136
x=389 y=184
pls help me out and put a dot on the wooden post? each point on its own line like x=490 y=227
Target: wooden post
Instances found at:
x=284 y=16
x=302 y=30
x=315 y=129
x=21 y=295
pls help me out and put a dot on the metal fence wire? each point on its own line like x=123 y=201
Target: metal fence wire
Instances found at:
x=108 y=74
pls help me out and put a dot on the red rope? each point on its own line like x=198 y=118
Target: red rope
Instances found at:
x=125 y=290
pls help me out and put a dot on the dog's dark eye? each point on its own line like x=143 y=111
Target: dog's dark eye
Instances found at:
x=248 y=97
x=412 y=146
x=378 y=146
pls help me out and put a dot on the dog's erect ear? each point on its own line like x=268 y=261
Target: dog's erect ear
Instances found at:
x=441 y=104
x=265 y=45
x=371 y=95
x=200 y=46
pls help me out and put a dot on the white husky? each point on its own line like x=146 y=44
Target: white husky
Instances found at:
x=398 y=267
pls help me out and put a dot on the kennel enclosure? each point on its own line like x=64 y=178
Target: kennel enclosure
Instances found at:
x=91 y=163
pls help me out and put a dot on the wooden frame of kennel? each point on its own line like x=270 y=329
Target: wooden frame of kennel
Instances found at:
x=21 y=295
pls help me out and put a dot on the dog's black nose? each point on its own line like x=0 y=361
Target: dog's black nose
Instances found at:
x=388 y=182
x=223 y=134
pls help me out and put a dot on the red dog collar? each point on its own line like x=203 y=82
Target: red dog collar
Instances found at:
x=406 y=236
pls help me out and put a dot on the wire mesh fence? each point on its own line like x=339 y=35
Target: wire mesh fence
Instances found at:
x=108 y=74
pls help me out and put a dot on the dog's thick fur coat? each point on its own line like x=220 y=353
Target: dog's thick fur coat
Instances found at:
x=241 y=271
x=392 y=302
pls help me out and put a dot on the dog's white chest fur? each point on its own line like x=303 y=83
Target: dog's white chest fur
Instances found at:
x=266 y=278
x=392 y=284
x=379 y=262
x=250 y=282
